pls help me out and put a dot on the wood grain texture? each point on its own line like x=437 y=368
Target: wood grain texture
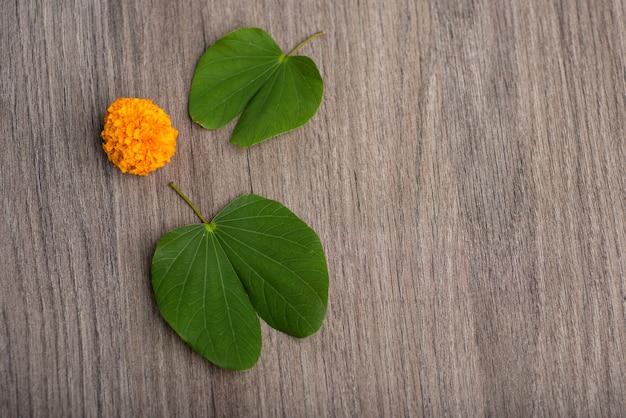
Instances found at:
x=466 y=173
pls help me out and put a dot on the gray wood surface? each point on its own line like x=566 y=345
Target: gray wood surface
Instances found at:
x=466 y=173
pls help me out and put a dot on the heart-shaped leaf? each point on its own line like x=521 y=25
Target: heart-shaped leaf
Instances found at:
x=256 y=255
x=246 y=71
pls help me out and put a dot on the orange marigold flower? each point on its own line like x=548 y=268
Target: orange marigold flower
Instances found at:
x=138 y=136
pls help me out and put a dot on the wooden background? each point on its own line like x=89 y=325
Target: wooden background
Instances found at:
x=466 y=173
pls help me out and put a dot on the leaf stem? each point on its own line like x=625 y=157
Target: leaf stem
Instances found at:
x=191 y=205
x=307 y=40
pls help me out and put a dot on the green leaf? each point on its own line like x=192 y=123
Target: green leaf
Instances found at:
x=246 y=71
x=256 y=255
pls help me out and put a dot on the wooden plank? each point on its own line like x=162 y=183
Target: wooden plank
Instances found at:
x=466 y=173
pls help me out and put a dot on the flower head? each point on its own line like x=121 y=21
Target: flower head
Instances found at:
x=138 y=136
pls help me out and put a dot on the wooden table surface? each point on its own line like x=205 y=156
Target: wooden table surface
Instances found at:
x=466 y=173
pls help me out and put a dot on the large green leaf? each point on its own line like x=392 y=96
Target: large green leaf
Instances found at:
x=255 y=255
x=246 y=71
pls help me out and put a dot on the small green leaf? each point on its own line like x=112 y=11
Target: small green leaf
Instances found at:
x=246 y=71
x=256 y=254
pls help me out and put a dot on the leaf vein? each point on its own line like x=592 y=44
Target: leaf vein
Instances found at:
x=276 y=292
x=302 y=280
